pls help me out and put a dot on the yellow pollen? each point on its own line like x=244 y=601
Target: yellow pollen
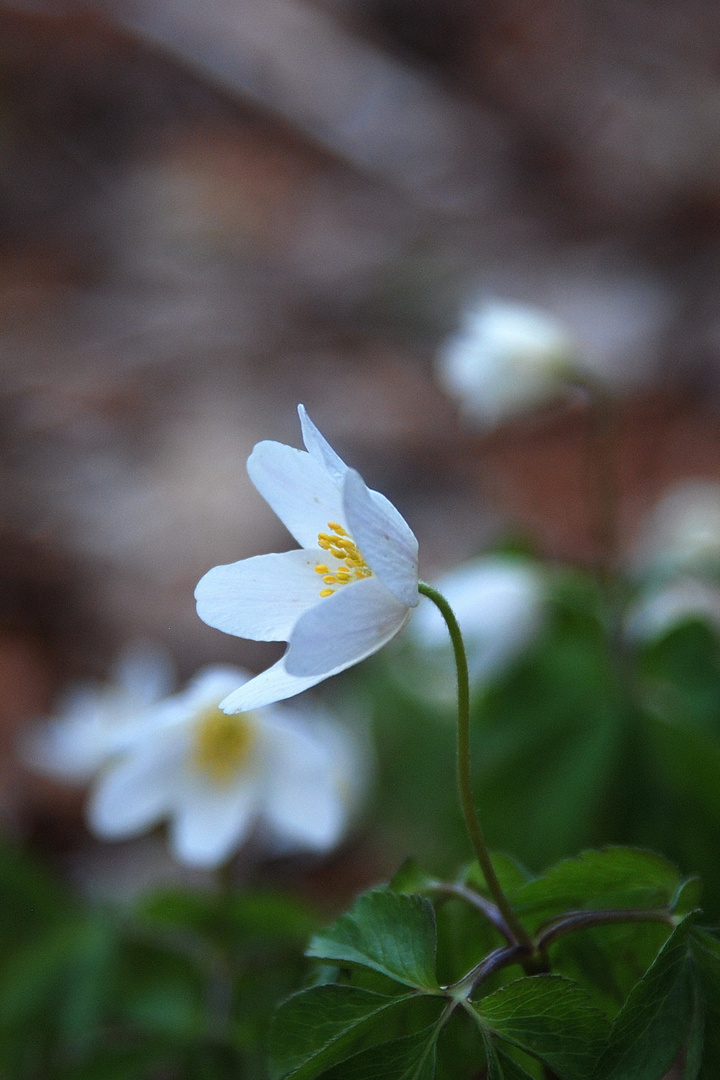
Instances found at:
x=222 y=743
x=343 y=548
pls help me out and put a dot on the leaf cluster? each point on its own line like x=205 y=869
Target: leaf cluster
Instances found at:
x=420 y=980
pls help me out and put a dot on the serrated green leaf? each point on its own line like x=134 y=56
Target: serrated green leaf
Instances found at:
x=661 y=1017
x=499 y=1066
x=706 y=953
x=409 y=1058
x=319 y=1027
x=393 y=933
x=609 y=877
x=550 y=1018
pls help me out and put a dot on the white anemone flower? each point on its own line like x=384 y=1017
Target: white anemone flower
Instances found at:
x=499 y=605
x=682 y=534
x=664 y=608
x=506 y=359
x=344 y=594
x=95 y=721
x=214 y=777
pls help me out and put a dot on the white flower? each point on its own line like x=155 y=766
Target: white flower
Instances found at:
x=95 y=721
x=506 y=359
x=344 y=594
x=663 y=608
x=683 y=533
x=498 y=602
x=215 y=776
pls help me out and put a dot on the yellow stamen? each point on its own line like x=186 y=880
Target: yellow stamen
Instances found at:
x=222 y=743
x=342 y=547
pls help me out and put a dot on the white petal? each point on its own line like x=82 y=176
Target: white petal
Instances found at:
x=70 y=749
x=274 y=684
x=262 y=597
x=213 y=821
x=299 y=489
x=302 y=801
x=344 y=628
x=137 y=791
x=384 y=537
x=317 y=445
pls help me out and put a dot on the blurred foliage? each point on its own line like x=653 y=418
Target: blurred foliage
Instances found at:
x=586 y=740
x=179 y=985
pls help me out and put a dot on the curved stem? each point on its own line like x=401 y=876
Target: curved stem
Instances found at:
x=472 y=821
x=583 y=920
x=489 y=910
x=499 y=958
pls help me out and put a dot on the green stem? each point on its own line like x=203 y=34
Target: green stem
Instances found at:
x=467 y=803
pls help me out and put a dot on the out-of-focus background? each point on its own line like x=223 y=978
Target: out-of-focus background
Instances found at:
x=211 y=211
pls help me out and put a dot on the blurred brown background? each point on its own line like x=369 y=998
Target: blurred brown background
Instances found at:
x=211 y=211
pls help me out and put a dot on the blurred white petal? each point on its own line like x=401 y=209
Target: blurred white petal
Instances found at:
x=661 y=609
x=506 y=360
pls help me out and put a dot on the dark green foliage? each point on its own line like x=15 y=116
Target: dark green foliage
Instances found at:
x=587 y=740
x=182 y=987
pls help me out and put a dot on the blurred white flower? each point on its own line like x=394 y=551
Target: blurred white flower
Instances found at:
x=506 y=359
x=682 y=536
x=97 y=720
x=664 y=608
x=498 y=602
x=215 y=776
x=340 y=597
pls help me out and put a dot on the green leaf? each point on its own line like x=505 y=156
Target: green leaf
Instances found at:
x=706 y=953
x=318 y=1027
x=499 y=1066
x=550 y=1018
x=392 y=933
x=689 y=759
x=688 y=896
x=409 y=1058
x=410 y=878
x=661 y=1017
x=621 y=877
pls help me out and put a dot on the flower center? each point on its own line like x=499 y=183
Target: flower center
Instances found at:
x=352 y=565
x=222 y=743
